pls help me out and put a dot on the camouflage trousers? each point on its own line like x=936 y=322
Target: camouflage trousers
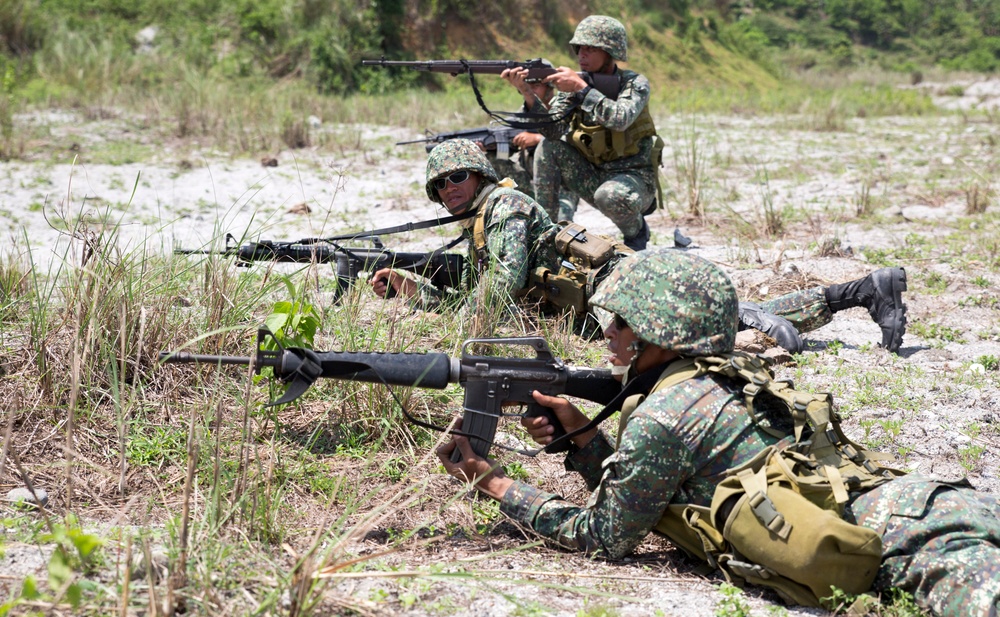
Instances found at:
x=621 y=195
x=940 y=543
x=807 y=309
x=513 y=169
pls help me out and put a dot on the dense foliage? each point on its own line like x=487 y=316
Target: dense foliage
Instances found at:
x=322 y=40
x=956 y=34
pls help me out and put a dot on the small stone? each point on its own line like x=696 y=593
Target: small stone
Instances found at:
x=24 y=499
x=269 y=161
x=158 y=566
x=975 y=369
x=790 y=270
x=302 y=208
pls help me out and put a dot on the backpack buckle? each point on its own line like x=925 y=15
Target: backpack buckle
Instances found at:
x=763 y=508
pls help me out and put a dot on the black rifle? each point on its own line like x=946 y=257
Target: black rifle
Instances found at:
x=444 y=270
x=494 y=139
x=608 y=85
x=489 y=381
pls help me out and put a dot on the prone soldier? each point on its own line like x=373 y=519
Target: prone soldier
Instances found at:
x=695 y=462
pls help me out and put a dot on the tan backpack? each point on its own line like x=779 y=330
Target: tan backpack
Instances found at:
x=776 y=520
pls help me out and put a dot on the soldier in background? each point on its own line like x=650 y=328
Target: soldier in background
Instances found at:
x=521 y=168
x=605 y=150
x=511 y=235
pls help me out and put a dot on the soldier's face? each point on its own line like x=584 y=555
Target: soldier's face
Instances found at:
x=593 y=60
x=620 y=342
x=456 y=197
x=542 y=91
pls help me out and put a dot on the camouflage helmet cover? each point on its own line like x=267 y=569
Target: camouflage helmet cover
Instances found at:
x=673 y=299
x=602 y=32
x=455 y=155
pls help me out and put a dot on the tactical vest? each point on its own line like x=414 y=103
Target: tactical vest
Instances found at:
x=776 y=520
x=601 y=145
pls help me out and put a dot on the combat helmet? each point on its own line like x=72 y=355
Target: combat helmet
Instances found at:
x=602 y=32
x=673 y=299
x=455 y=155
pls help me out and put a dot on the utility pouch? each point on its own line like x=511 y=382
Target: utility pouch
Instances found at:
x=780 y=538
x=590 y=250
x=566 y=289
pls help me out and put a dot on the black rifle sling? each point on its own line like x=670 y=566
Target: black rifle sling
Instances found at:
x=640 y=385
x=426 y=259
x=392 y=230
x=503 y=117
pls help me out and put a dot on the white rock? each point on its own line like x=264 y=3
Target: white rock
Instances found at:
x=975 y=369
x=22 y=498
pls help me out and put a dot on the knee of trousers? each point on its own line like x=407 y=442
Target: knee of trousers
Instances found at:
x=618 y=197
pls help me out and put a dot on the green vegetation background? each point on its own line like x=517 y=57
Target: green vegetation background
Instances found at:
x=59 y=48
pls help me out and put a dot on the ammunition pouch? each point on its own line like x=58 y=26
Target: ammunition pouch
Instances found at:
x=587 y=257
x=600 y=145
x=587 y=249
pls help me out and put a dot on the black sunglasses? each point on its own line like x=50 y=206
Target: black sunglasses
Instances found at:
x=620 y=322
x=456 y=178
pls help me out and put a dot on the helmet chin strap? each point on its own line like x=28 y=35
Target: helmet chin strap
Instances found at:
x=627 y=372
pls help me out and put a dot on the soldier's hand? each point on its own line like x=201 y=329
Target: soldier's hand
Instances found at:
x=566 y=79
x=516 y=77
x=526 y=140
x=387 y=278
x=569 y=416
x=487 y=474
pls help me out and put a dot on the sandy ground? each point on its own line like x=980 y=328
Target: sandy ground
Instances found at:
x=912 y=174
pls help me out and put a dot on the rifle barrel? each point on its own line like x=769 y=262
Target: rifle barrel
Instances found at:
x=183 y=356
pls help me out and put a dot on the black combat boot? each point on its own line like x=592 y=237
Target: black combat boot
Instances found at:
x=881 y=292
x=778 y=328
x=640 y=240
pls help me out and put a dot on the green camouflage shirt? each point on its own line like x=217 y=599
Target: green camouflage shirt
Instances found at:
x=518 y=239
x=674 y=449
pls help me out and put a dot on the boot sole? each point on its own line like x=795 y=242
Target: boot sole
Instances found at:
x=893 y=339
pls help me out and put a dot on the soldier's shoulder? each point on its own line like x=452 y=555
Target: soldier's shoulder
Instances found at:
x=634 y=79
x=696 y=393
x=505 y=202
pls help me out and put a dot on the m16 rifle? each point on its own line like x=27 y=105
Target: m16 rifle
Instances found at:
x=494 y=139
x=444 y=270
x=490 y=381
x=608 y=85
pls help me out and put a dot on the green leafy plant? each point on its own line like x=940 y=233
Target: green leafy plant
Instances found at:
x=989 y=362
x=75 y=553
x=732 y=604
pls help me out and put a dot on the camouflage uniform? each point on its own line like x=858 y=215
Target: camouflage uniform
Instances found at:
x=518 y=232
x=621 y=189
x=940 y=541
x=806 y=309
x=520 y=168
